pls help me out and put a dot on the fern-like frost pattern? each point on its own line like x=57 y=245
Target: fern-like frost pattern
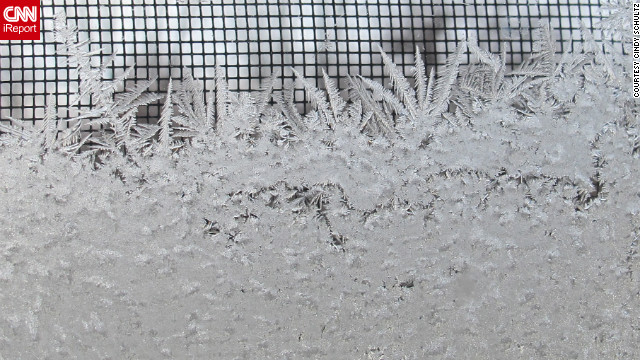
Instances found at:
x=477 y=211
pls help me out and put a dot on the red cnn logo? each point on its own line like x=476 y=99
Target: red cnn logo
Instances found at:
x=20 y=20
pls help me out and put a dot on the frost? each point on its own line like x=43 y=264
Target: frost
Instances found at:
x=474 y=210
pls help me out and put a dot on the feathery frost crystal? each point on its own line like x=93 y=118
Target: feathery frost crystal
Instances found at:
x=478 y=211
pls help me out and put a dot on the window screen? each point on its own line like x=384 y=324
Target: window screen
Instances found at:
x=253 y=39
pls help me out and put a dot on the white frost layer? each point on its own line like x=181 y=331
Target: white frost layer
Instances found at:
x=507 y=229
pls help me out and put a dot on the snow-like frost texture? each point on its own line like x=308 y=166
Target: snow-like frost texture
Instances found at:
x=507 y=228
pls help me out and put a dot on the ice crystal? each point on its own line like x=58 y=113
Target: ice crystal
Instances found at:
x=477 y=210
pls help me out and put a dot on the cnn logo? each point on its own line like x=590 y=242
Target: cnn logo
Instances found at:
x=15 y=14
x=20 y=20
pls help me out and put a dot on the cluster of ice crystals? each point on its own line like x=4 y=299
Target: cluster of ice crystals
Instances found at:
x=476 y=212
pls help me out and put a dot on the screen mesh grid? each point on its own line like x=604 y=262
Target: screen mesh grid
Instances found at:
x=253 y=39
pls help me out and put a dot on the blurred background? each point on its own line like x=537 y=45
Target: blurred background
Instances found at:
x=253 y=39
